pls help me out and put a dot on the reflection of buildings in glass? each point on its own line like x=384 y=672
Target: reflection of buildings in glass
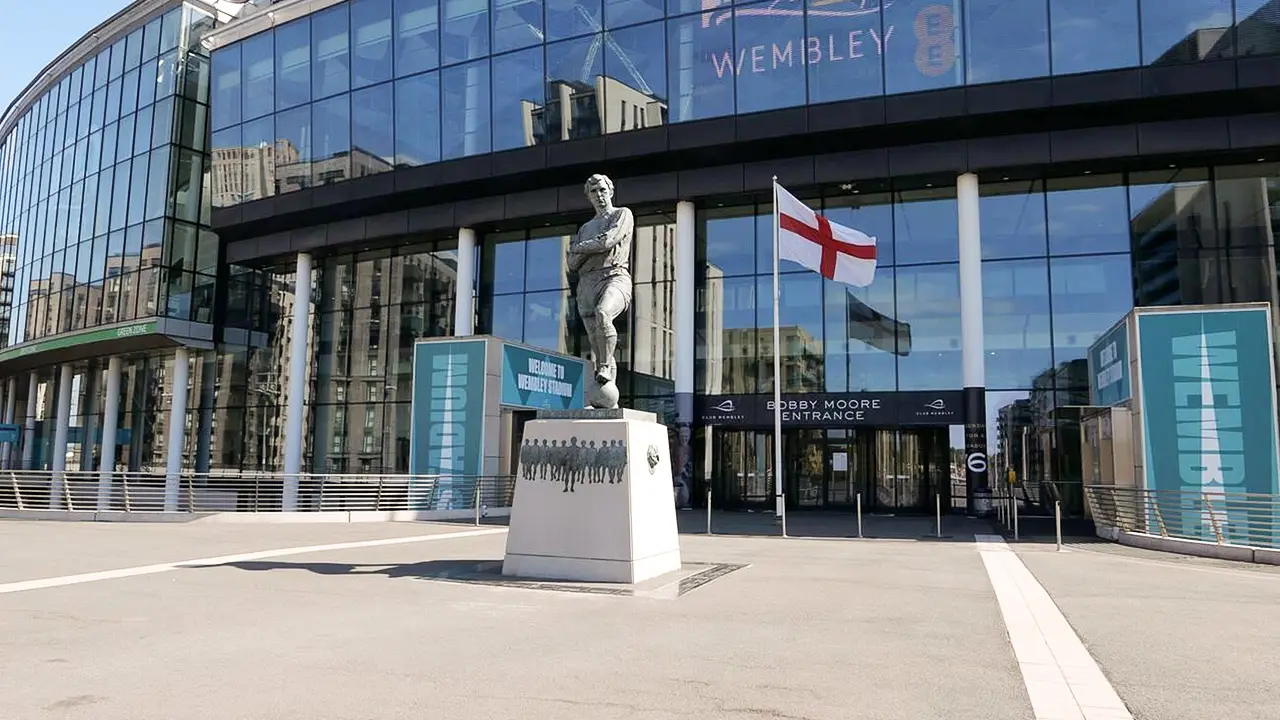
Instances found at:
x=801 y=363
x=575 y=110
x=711 y=308
x=241 y=174
x=8 y=267
x=1179 y=259
x=653 y=308
x=366 y=373
x=1043 y=425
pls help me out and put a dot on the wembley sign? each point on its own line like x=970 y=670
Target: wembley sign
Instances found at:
x=933 y=32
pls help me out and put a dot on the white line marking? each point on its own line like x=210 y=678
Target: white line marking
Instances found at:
x=1063 y=680
x=14 y=587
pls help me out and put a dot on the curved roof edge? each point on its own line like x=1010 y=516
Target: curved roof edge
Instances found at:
x=107 y=32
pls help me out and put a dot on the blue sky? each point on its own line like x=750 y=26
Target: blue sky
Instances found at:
x=37 y=32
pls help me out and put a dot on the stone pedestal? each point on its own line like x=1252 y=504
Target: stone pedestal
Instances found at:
x=593 y=499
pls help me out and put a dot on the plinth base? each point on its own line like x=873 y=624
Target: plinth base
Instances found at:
x=594 y=501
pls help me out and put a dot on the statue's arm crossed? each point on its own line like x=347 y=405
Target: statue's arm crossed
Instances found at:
x=613 y=234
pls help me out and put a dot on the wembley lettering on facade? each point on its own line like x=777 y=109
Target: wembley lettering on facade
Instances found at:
x=934 y=30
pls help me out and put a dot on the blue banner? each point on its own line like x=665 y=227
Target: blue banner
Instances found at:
x=541 y=380
x=447 y=434
x=1109 y=367
x=1208 y=415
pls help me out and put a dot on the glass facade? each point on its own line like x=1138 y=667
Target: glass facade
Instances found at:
x=101 y=188
x=367 y=86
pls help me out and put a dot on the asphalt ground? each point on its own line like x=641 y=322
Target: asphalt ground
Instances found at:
x=823 y=627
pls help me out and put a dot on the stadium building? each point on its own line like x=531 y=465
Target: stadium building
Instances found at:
x=225 y=225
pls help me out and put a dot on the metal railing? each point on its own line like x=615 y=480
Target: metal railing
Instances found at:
x=1224 y=518
x=250 y=492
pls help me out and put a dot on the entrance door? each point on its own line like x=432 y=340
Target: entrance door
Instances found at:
x=910 y=466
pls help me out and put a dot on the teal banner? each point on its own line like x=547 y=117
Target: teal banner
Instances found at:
x=541 y=380
x=1208 y=416
x=447 y=434
x=1109 y=367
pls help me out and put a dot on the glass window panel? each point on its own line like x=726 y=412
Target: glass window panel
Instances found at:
x=113 y=103
x=120 y=200
x=728 y=240
x=800 y=332
x=770 y=66
x=192 y=126
x=84 y=262
x=417 y=41
x=99 y=112
x=330 y=46
x=124 y=138
x=148 y=81
x=574 y=81
x=195 y=78
x=167 y=75
x=293 y=63
x=1181 y=31
x=1245 y=196
x=635 y=77
x=418 y=119
x=726 y=357
x=931 y=56
x=504 y=264
x=292 y=149
x=700 y=66
x=109 y=137
x=466 y=30
x=207 y=255
x=142 y=123
x=1013 y=220
x=151 y=40
x=181 y=254
x=117 y=59
x=1006 y=40
x=170 y=28
x=927 y=302
x=1091 y=35
x=129 y=92
x=1257 y=27
x=517 y=92
x=871 y=214
x=103 y=220
x=925 y=228
x=229 y=163
x=843 y=50
x=158 y=184
x=572 y=18
x=370 y=42
x=1088 y=215
x=138 y=190
x=331 y=149
x=545 y=262
x=133 y=49
x=260 y=154
x=89 y=206
x=187 y=182
x=619 y=13
x=547 y=320
x=259 y=77
x=516 y=24
x=1015 y=301
x=1090 y=294
x=373 y=144
x=162 y=124
x=507 y=317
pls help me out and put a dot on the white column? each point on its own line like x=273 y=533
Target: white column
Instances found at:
x=62 y=425
x=29 y=436
x=972 y=341
x=464 y=314
x=297 y=382
x=685 y=312
x=10 y=409
x=110 y=419
x=177 y=428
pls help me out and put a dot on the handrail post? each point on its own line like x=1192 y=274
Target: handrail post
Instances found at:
x=17 y=489
x=1213 y=516
x=477 y=500
x=1013 y=503
x=1057 y=522
x=377 y=497
x=708 y=509
x=859 y=511
x=937 y=503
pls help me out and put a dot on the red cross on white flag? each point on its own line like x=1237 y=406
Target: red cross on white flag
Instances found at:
x=837 y=252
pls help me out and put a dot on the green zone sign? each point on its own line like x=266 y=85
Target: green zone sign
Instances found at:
x=80 y=338
x=1207 y=391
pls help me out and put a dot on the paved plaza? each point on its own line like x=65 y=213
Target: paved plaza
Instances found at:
x=363 y=622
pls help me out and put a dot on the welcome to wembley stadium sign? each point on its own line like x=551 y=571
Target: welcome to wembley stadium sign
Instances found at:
x=933 y=29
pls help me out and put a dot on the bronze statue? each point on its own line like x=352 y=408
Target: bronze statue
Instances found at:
x=600 y=256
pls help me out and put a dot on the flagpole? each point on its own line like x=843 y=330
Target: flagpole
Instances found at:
x=780 y=500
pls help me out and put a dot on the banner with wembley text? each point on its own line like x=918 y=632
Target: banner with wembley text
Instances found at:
x=446 y=440
x=1208 y=403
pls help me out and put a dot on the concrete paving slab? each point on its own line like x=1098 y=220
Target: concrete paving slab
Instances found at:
x=812 y=629
x=1179 y=638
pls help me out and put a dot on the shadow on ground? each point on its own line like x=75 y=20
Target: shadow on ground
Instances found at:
x=425 y=569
